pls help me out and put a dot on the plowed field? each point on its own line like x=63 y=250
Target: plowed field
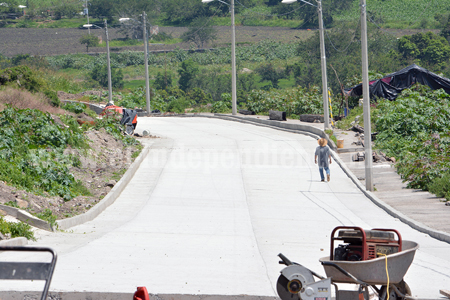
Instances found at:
x=53 y=41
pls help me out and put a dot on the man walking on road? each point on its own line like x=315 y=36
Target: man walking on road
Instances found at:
x=324 y=155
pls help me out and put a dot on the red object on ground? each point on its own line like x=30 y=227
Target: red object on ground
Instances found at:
x=112 y=108
x=141 y=294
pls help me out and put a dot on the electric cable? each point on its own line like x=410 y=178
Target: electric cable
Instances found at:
x=387 y=273
x=348 y=46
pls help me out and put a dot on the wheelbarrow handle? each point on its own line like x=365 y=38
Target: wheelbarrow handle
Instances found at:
x=286 y=261
x=340 y=269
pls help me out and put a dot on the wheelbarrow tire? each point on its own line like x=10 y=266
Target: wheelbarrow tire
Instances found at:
x=402 y=286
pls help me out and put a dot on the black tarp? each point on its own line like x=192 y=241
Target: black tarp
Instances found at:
x=391 y=85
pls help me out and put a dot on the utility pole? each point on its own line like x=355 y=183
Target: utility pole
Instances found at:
x=233 y=62
x=326 y=118
x=147 y=84
x=366 y=99
x=109 y=64
x=87 y=14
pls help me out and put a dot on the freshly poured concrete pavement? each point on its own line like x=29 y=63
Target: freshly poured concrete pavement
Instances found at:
x=209 y=209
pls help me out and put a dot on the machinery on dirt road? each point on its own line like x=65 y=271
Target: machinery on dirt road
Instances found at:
x=376 y=259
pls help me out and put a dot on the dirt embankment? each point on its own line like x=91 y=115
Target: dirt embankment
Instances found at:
x=102 y=165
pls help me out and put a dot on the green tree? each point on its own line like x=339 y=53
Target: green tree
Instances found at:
x=427 y=47
x=200 y=32
x=100 y=74
x=65 y=10
x=8 y=6
x=188 y=71
x=102 y=9
x=445 y=32
x=198 y=96
x=309 y=14
x=163 y=81
x=89 y=41
x=269 y=73
x=5 y=62
x=214 y=82
x=182 y=13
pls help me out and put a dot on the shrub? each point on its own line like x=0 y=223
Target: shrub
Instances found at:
x=177 y=105
x=441 y=186
x=21 y=76
x=32 y=152
x=53 y=97
x=330 y=133
x=100 y=74
x=293 y=101
x=75 y=107
x=222 y=106
x=18 y=229
x=47 y=215
x=414 y=130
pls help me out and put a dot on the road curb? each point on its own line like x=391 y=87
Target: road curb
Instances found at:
x=126 y=296
x=109 y=199
x=18 y=241
x=26 y=217
x=316 y=133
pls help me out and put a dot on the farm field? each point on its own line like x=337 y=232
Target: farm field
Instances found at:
x=54 y=41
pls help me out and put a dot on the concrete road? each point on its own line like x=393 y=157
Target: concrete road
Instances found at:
x=210 y=208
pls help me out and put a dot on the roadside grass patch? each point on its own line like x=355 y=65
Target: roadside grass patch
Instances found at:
x=18 y=229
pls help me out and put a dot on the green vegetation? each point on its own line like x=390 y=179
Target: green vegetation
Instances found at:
x=414 y=129
x=200 y=32
x=389 y=14
x=294 y=101
x=441 y=186
x=48 y=216
x=18 y=229
x=330 y=133
x=12 y=204
x=278 y=75
x=401 y=13
x=25 y=162
x=100 y=74
x=89 y=41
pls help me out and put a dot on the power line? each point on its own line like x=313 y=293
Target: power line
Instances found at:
x=352 y=40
